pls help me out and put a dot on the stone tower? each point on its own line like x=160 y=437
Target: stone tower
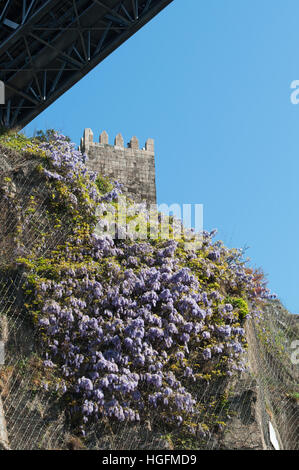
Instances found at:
x=131 y=166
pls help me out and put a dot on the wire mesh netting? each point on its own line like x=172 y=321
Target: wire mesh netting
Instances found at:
x=257 y=409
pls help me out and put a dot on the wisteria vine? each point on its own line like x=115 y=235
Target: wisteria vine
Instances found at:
x=132 y=326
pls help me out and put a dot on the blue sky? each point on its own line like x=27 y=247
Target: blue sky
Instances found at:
x=210 y=80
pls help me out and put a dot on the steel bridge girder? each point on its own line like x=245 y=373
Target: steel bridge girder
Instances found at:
x=48 y=46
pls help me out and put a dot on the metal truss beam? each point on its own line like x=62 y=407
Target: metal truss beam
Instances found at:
x=46 y=46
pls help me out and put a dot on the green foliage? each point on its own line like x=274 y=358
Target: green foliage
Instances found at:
x=295 y=396
x=103 y=183
x=241 y=306
x=16 y=141
x=21 y=144
x=47 y=136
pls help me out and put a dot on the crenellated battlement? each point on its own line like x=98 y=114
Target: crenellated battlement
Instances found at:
x=131 y=165
x=87 y=142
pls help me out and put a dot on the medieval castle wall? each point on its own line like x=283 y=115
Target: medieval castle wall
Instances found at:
x=131 y=166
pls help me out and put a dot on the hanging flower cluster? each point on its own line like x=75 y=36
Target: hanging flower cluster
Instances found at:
x=132 y=326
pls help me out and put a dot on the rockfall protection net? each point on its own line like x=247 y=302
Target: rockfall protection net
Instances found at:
x=266 y=393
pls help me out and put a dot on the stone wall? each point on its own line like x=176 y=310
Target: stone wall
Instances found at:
x=131 y=166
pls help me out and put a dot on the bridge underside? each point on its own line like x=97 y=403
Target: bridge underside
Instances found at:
x=46 y=46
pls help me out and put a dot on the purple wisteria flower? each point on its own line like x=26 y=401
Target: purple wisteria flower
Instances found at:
x=130 y=324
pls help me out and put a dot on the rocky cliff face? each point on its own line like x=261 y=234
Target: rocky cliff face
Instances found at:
x=254 y=408
x=265 y=397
